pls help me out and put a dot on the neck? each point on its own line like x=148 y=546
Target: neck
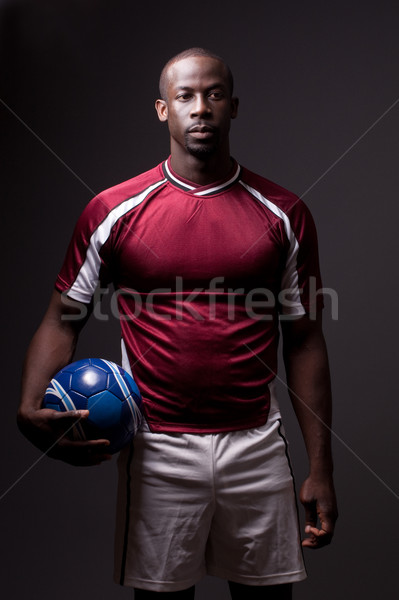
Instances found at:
x=202 y=171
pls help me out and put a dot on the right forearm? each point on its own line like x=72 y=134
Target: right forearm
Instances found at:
x=51 y=348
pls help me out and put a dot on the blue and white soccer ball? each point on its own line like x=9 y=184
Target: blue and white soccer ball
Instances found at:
x=107 y=391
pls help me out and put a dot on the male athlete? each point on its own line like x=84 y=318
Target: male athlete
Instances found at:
x=206 y=259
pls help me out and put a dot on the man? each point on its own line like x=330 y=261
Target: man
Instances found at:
x=205 y=257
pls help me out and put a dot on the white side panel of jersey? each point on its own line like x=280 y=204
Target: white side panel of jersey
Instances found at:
x=125 y=359
x=289 y=282
x=87 y=279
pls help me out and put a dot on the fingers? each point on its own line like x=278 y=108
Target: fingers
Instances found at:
x=316 y=538
x=46 y=421
x=64 y=423
x=310 y=513
x=69 y=416
x=319 y=535
x=81 y=453
x=53 y=434
x=318 y=499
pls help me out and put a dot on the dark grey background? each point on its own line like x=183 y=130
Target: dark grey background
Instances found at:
x=314 y=79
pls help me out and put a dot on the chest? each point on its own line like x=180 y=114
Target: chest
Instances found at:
x=229 y=236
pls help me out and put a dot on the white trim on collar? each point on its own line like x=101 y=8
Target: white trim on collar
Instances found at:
x=182 y=183
x=201 y=192
x=221 y=186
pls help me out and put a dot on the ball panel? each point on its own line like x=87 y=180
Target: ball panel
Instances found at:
x=100 y=363
x=105 y=410
x=75 y=366
x=89 y=380
x=63 y=381
x=131 y=414
x=132 y=385
x=117 y=383
x=57 y=394
x=48 y=404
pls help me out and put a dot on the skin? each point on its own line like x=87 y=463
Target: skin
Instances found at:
x=199 y=98
x=308 y=379
x=52 y=347
x=198 y=110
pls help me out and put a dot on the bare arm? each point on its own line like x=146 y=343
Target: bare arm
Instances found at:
x=308 y=378
x=51 y=348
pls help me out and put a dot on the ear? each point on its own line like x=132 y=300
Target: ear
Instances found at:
x=234 y=107
x=162 y=110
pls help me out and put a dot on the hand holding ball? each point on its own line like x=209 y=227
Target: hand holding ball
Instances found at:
x=107 y=391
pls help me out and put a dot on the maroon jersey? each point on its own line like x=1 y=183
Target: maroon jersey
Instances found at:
x=201 y=275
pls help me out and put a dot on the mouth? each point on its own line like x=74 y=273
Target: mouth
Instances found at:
x=201 y=131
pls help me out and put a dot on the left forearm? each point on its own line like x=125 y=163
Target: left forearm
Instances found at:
x=308 y=379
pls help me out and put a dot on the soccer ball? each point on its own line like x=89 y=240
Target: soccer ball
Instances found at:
x=107 y=391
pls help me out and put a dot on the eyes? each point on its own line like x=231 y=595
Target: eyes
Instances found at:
x=212 y=95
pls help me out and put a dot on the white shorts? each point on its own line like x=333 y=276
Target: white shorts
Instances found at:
x=218 y=504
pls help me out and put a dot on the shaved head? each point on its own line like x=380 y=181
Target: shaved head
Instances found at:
x=164 y=79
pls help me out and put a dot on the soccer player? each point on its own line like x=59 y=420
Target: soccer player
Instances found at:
x=209 y=262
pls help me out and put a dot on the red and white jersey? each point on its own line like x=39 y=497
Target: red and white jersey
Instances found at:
x=201 y=274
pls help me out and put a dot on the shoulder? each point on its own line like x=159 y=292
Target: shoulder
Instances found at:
x=283 y=202
x=267 y=188
x=109 y=205
x=112 y=197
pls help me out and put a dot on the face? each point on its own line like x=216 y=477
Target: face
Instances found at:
x=198 y=107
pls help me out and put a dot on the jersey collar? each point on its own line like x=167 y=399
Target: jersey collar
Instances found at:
x=196 y=190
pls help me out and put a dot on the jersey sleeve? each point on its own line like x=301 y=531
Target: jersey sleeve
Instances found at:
x=87 y=260
x=301 y=285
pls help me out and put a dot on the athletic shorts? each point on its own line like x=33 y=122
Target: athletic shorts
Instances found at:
x=195 y=504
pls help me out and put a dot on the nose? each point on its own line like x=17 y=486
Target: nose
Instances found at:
x=200 y=106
